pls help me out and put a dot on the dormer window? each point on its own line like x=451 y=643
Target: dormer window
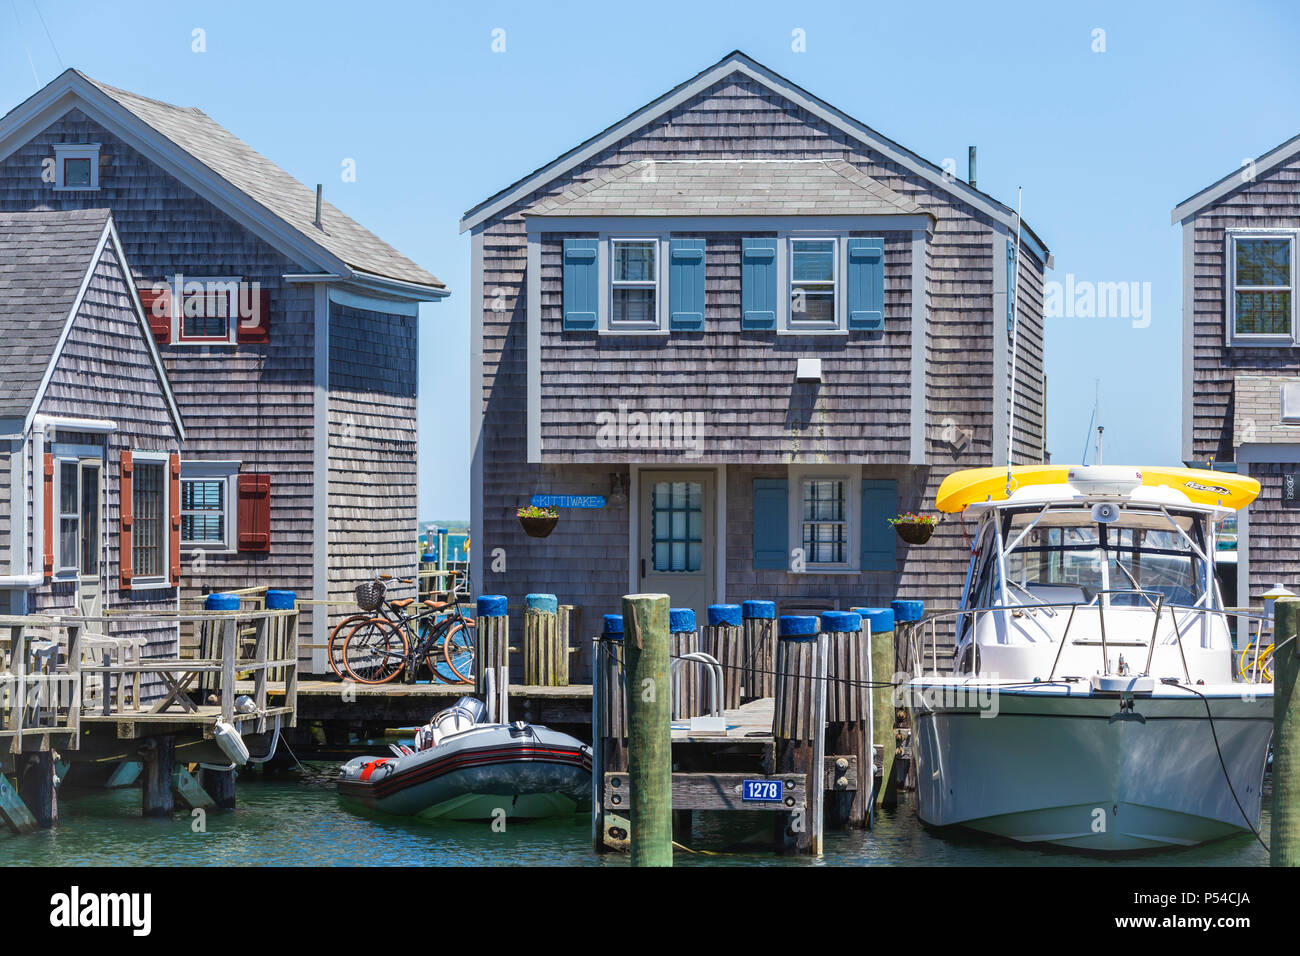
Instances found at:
x=76 y=166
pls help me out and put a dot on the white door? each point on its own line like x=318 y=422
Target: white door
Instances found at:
x=677 y=537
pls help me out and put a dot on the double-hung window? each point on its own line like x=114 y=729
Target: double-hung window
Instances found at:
x=813 y=283
x=634 y=279
x=1261 y=286
x=824 y=526
x=69 y=516
x=206 y=309
x=149 y=520
x=207 y=498
x=77 y=503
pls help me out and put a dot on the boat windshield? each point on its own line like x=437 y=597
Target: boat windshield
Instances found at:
x=1067 y=558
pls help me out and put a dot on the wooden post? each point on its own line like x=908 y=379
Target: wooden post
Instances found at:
x=798 y=726
x=493 y=652
x=12 y=809
x=759 y=624
x=649 y=734
x=1284 y=836
x=848 y=712
x=546 y=649
x=220 y=786
x=907 y=615
x=688 y=676
x=36 y=787
x=159 y=768
x=609 y=729
x=723 y=639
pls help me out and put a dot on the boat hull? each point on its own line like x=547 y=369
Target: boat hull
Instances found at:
x=481 y=774
x=1083 y=771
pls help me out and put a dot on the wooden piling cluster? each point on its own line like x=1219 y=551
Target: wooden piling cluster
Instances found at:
x=799 y=725
x=849 y=728
x=546 y=642
x=492 y=656
x=688 y=678
x=758 y=621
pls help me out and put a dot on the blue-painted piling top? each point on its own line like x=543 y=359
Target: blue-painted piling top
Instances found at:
x=841 y=622
x=905 y=611
x=881 y=619
x=613 y=627
x=221 y=601
x=492 y=605
x=428 y=557
x=797 y=626
x=681 y=620
x=724 y=615
x=764 y=610
x=542 y=602
x=281 y=600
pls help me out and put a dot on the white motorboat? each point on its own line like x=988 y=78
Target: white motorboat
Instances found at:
x=1093 y=698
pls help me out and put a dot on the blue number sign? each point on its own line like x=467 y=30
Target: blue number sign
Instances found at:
x=762 y=791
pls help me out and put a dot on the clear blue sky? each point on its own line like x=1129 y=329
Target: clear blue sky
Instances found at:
x=1104 y=144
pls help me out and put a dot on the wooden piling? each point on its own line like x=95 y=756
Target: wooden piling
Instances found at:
x=220 y=786
x=12 y=809
x=688 y=677
x=36 y=787
x=723 y=639
x=758 y=677
x=159 y=767
x=493 y=654
x=880 y=621
x=609 y=729
x=907 y=617
x=649 y=734
x=848 y=713
x=798 y=726
x=1284 y=835
x=546 y=648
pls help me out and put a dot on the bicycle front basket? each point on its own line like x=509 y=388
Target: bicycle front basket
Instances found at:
x=369 y=595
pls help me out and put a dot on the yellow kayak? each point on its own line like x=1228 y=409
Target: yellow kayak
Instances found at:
x=1223 y=488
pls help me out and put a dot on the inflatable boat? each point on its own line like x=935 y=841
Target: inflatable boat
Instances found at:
x=464 y=768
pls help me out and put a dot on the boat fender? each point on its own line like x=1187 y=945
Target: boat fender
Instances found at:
x=230 y=742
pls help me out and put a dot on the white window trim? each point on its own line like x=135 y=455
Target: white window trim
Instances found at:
x=179 y=283
x=851 y=475
x=786 y=277
x=1256 y=340
x=140 y=582
x=64 y=151
x=607 y=320
x=226 y=471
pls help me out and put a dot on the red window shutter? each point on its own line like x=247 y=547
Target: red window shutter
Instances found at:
x=254 y=512
x=256 y=327
x=174 y=533
x=50 y=518
x=158 y=310
x=126 y=492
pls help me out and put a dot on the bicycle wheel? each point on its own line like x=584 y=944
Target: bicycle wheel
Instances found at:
x=339 y=637
x=458 y=649
x=375 y=651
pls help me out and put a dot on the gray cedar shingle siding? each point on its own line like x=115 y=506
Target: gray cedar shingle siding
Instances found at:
x=585 y=561
x=374 y=480
x=251 y=403
x=1272 y=200
x=105 y=372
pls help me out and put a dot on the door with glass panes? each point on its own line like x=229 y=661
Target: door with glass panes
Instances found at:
x=677 y=537
x=81 y=529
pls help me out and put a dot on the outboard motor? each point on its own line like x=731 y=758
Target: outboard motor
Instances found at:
x=460 y=716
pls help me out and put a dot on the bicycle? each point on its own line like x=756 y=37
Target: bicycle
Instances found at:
x=391 y=641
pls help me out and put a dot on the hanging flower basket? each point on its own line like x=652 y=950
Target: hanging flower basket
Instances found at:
x=537 y=522
x=914 y=528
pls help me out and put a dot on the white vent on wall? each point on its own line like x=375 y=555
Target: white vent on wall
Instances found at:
x=1291 y=403
x=808 y=370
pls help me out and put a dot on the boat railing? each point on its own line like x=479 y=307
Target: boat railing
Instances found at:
x=1183 y=617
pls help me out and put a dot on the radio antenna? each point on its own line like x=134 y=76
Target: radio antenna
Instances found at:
x=1014 y=311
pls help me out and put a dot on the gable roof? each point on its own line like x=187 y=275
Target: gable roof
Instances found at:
x=226 y=171
x=47 y=260
x=743 y=187
x=1217 y=190
x=738 y=62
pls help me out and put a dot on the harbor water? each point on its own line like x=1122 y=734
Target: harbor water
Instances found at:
x=296 y=819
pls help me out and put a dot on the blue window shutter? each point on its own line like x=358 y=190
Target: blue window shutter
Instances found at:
x=771 y=524
x=879 y=502
x=866 y=281
x=580 y=283
x=686 y=284
x=758 y=284
x=1011 y=285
